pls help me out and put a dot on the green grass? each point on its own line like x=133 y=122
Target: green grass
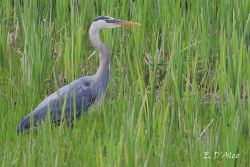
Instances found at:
x=179 y=83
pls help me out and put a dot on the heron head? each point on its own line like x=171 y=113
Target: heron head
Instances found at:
x=109 y=22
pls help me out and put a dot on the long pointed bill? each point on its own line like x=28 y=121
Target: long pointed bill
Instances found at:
x=126 y=23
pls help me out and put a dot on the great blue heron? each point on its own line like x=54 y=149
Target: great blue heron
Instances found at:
x=72 y=100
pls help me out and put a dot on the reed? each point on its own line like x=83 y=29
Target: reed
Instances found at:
x=179 y=84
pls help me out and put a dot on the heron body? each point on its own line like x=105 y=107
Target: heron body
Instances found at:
x=74 y=99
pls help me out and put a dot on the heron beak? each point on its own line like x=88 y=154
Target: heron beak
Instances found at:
x=125 y=23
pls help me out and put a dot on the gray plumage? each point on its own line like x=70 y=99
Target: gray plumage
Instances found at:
x=75 y=98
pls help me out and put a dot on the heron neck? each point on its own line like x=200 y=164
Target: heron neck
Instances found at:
x=104 y=56
x=104 y=62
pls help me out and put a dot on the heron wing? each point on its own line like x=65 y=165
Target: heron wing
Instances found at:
x=63 y=105
x=68 y=101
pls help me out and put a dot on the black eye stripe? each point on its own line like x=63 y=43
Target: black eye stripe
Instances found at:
x=111 y=21
x=102 y=18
